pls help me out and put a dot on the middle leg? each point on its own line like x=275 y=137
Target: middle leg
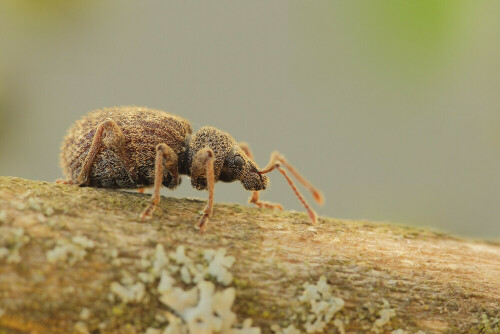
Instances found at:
x=165 y=158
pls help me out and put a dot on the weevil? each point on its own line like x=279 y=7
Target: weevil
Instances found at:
x=136 y=147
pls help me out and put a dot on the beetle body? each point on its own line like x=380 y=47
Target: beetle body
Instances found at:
x=143 y=129
x=134 y=147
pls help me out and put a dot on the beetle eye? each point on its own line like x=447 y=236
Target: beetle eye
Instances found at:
x=238 y=162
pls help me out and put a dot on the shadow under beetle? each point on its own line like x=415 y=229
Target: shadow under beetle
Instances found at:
x=134 y=147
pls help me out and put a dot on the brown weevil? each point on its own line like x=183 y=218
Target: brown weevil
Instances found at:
x=134 y=147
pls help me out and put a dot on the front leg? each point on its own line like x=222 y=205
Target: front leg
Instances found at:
x=275 y=162
x=202 y=170
x=255 y=199
x=255 y=196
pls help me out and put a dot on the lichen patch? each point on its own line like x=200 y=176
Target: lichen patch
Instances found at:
x=219 y=265
x=201 y=307
x=323 y=305
x=385 y=316
x=12 y=239
x=288 y=330
x=129 y=293
x=69 y=251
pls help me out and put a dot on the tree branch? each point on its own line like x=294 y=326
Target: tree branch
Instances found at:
x=62 y=247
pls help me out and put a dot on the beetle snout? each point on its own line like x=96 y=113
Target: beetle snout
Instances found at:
x=264 y=181
x=252 y=180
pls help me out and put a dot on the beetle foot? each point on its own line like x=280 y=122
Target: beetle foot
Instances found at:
x=202 y=224
x=69 y=182
x=269 y=205
x=82 y=181
x=147 y=213
x=313 y=216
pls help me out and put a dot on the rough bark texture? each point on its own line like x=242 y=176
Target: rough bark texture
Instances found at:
x=434 y=282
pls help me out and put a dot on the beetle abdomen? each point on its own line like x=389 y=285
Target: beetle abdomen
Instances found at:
x=142 y=128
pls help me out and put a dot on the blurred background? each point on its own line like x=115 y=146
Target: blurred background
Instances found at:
x=390 y=107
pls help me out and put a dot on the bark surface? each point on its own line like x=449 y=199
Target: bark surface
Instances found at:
x=434 y=282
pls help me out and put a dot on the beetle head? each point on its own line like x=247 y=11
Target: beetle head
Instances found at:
x=238 y=166
x=231 y=163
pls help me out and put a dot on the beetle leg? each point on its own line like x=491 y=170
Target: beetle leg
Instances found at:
x=203 y=165
x=61 y=181
x=255 y=199
x=109 y=134
x=276 y=161
x=165 y=158
x=255 y=196
x=246 y=148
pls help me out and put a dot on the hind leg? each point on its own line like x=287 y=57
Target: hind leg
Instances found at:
x=109 y=135
x=61 y=181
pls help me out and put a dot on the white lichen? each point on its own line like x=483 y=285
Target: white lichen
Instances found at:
x=161 y=260
x=114 y=253
x=14 y=239
x=385 y=316
x=49 y=211
x=3 y=216
x=205 y=310
x=146 y=277
x=340 y=325
x=202 y=315
x=129 y=293
x=192 y=272
x=66 y=251
x=288 y=330
x=166 y=282
x=202 y=308
x=152 y=330
x=185 y=275
x=323 y=305
x=185 y=266
x=41 y=218
x=85 y=314
x=219 y=264
x=3 y=252
x=81 y=328
x=175 y=325
x=14 y=257
x=180 y=256
x=19 y=205
x=247 y=328
x=34 y=204
x=399 y=331
x=178 y=299
x=83 y=241
x=70 y=251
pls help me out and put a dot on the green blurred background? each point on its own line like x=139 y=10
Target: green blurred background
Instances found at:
x=391 y=107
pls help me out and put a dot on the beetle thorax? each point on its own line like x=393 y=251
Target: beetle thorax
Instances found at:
x=219 y=141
